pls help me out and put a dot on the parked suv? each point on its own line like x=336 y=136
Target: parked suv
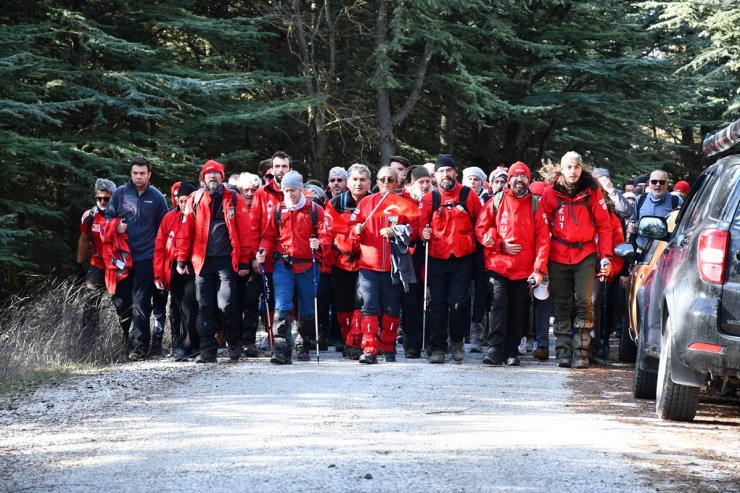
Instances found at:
x=695 y=294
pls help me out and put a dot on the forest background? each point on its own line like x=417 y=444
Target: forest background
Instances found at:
x=87 y=85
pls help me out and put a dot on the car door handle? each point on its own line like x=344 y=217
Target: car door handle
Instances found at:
x=737 y=255
x=684 y=242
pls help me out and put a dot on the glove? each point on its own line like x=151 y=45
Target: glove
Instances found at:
x=80 y=273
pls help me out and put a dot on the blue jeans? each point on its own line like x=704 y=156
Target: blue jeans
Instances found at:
x=288 y=283
x=378 y=293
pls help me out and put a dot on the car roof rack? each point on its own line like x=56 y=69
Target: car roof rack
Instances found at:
x=722 y=140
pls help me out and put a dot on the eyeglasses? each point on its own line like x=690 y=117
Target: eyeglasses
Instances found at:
x=655 y=182
x=336 y=180
x=387 y=179
x=102 y=199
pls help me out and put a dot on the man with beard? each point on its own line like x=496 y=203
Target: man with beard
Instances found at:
x=337 y=181
x=216 y=238
x=345 y=266
x=449 y=214
x=576 y=211
x=517 y=243
x=261 y=213
x=138 y=208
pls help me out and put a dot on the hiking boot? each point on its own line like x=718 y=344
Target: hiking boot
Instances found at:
x=302 y=353
x=494 y=357
x=412 y=353
x=368 y=359
x=476 y=349
x=389 y=357
x=280 y=358
x=206 y=358
x=352 y=352
x=250 y=351
x=541 y=354
x=323 y=344
x=437 y=357
x=579 y=361
x=136 y=356
x=458 y=351
x=156 y=346
x=564 y=363
x=235 y=353
x=513 y=361
x=181 y=355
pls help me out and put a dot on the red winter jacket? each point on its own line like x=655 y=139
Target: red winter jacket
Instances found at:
x=514 y=218
x=93 y=225
x=265 y=200
x=375 y=250
x=452 y=226
x=296 y=228
x=164 y=246
x=192 y=239
x=575 y=222
x=345 y=248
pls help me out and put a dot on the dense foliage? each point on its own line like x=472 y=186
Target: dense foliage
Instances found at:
x=86 y=85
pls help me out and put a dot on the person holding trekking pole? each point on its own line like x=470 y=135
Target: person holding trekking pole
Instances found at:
x=295 y=238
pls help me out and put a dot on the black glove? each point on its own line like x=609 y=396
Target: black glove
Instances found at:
x=80 y=273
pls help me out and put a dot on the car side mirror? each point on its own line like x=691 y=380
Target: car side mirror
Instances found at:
x=653 y=227
x=625 y=251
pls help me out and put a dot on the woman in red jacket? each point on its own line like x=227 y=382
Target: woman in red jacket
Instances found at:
x=575 y=209
x=184 y=307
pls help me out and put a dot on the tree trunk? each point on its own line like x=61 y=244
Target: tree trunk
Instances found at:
x=387 y=140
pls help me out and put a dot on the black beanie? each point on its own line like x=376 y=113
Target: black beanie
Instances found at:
x=444 y=160
x=186 y=188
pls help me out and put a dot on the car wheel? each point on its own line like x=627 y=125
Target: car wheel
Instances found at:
x=627 y=348
x=673 y=401
x=644 y=383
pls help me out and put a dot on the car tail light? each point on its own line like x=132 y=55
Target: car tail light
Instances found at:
x=712 y=252
x=707 y=348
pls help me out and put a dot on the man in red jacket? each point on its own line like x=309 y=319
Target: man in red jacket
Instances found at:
x=517 y=243
x=184 y=306
x=380 y=297
x=292 y=238
x=217 y=238
x=575 y=209
x=345 y=261
x=449 y=214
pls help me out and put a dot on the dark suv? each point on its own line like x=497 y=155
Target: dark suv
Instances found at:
x=695 y=295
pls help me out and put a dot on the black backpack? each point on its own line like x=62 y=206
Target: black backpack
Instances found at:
x=437 y=201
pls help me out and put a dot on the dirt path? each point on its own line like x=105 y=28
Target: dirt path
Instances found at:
x=340 y=426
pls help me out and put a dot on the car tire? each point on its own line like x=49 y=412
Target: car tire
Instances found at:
x=627 y=347
x=644 y=383
x=673 y=401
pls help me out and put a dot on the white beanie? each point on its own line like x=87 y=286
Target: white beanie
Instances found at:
x=338 y=171
x=474 y=171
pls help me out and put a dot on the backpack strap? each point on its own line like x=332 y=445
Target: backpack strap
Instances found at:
x=585 y=203
x=640 y=201
x=674 y=201
x=463 y=201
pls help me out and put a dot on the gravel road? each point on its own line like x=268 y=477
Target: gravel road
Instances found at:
x=338 y=426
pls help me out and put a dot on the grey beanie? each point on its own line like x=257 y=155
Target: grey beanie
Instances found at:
x=103 y=185
x=474 y=171
x=599 y=172
x=315 y=190
x=292 y=179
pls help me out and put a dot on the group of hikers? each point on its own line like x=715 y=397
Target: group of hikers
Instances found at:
x=416 y=257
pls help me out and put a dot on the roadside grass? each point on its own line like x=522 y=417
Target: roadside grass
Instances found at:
x=59 y=329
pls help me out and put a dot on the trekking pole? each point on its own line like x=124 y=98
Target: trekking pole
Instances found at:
x=424 y=312
x=604 y=336
x=266 y=298
x=315 y=302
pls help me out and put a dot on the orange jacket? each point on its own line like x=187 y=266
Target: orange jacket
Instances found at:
x=192 y=239
x=514 y=218
x=452 y=226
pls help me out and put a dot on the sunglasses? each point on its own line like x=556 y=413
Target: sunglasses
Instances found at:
x=387 y=179
x=102 y=199
x=655 y=182
x=336 y=180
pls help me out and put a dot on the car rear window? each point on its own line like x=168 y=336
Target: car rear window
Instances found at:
x=722 y=191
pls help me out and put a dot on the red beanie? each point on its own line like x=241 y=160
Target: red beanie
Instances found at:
x=519 y=168
x=682 y=186
x=212 y=166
